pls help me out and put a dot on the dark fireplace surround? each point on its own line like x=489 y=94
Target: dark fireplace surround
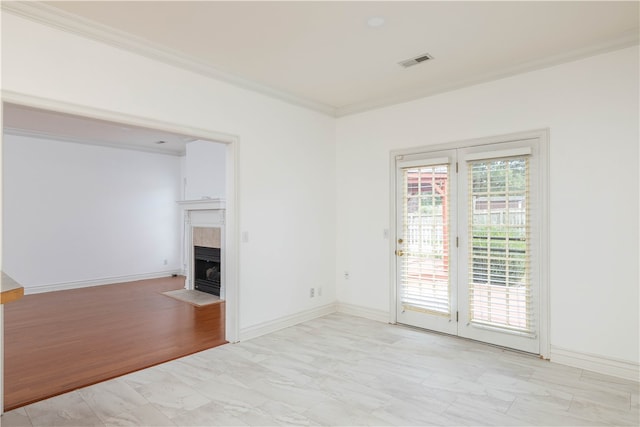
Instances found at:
x=207 y=269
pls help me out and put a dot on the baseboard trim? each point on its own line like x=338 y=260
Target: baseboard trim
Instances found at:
x=28 y=290
x=603 y=365
x=366 y=312
x=285 y=322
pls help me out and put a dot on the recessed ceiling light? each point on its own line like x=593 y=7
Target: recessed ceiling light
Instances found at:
x=375 y=21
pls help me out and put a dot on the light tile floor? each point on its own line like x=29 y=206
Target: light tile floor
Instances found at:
x=344 y=370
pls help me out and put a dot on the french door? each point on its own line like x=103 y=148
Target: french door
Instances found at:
x=467 y=249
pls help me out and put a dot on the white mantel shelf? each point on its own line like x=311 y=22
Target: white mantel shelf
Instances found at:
x=202 y=204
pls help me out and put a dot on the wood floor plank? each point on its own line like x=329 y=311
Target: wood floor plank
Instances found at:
x=56 y=342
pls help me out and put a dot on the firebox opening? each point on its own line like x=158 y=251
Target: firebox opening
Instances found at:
x=207 y=269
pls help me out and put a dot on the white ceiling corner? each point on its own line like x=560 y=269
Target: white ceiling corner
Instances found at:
x=52 y=16
x=322 y=55
x=630 y=38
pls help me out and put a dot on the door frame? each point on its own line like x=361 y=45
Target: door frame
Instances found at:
x=544 y=237
x=232 y=331
x=436 y=322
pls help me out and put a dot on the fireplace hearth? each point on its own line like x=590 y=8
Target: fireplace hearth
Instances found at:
x=207 y=269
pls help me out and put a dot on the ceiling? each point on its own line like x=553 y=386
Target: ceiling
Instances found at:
x=32 y=122
x=324 y=54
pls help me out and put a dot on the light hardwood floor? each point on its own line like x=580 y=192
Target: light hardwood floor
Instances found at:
x=56 y=342
x=344 y=370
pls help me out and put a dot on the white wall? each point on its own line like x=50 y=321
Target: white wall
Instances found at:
x=292 y=171
x=205 y=170
x=81 y=213
x=286 y=153
x=591 y=109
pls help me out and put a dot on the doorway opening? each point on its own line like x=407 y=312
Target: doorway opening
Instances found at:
x=30 y=117
x=470 y=234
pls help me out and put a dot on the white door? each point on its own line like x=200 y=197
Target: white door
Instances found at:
x=468 y=242
x=499 y=244
x=426 y=273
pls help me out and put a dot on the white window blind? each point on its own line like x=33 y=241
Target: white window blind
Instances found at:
x=499 y=244
x=425 y=279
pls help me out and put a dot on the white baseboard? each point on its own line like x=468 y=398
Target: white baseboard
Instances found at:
x=28 y=290
x=367 y=313
x=603 y=365
x=285 y=322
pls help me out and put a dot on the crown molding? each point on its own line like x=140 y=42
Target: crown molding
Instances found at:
x=59 y=19
x=627 y=39
x=51 y=16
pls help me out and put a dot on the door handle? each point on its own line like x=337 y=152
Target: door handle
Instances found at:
x=399 y=252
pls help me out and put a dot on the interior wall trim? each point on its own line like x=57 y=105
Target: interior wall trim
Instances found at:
x=286 y=321
x=626 y=40
x=57 y=18
x=366 y=312
x=626 y=369
x=53 y=17
x=38 y=289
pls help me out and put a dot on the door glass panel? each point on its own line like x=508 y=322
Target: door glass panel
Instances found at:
x=499 y=253
x=424 y=267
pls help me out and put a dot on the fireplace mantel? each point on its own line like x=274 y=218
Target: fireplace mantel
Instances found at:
x=202 y=213
x=202 y=204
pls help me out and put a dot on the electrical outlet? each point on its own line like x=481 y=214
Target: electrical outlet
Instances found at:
x=320 y=291
x=346 y=275
x=311 y=293
x=166 y=262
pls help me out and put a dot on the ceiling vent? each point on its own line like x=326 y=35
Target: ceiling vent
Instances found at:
x=415 y=61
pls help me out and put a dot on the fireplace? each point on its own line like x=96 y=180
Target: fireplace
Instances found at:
x=207 y=269
x=204 y=253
